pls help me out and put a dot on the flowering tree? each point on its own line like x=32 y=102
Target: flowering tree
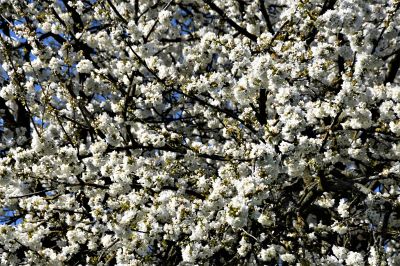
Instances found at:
x=200 y=132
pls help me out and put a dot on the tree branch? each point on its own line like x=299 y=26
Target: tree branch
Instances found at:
x=266 y=17
x=232 y=23
x=393 y=67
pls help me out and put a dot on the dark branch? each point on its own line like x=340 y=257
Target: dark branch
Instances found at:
x=232 y=23
x=394 y=65
x=266 y=17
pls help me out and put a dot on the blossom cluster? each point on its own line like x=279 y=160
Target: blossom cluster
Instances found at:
x=170 y=132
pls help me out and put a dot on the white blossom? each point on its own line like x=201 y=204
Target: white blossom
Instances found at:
x=84 y=66
x=355 y=258
x=287 y=257
x=343 y=208
x=199 y=132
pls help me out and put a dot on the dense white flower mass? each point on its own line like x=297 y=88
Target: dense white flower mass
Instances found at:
x=200 y=132
x=84 y=66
